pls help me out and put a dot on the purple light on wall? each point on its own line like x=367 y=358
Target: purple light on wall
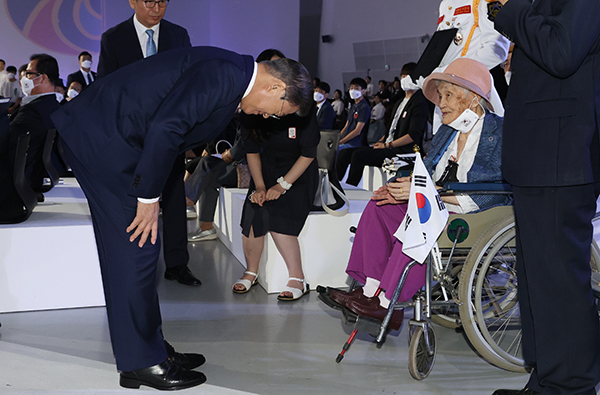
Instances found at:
x=64 y=26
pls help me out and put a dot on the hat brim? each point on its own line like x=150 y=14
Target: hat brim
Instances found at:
x=431 y=93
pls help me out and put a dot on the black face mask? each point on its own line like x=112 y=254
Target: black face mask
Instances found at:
x=449 y=174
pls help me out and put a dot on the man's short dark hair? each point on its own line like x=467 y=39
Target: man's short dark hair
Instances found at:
x=324 y=86
x=11 y=69
x=267 y=54
x=84 y=53
x=299 y=87
x=383 y=81
x=46 y=64
x=408 y=68
x=2 y=60
x=22 y=69
x=359 y=81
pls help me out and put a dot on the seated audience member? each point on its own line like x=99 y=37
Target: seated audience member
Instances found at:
x=377 y=126
x=369 y=91
x=358 y=116
x=60 y=92
x=11 y=88
x=384 y=91
x=408 y=124
x=32 y=116
x=85 y=76
x=325 y=111
x=376 y=259
x=75 y=89
x=338 y=103
x=397 y=92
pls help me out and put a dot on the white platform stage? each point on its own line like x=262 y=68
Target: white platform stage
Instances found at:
x=50 y=261
x=325 y=242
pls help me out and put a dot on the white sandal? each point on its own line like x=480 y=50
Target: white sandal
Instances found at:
x=296 y=293
x=246 y=283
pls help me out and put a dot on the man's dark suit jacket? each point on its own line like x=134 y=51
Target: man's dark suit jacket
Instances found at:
x=33 y=117
x=78 y=76
x=553 y=102
x=122 y=123
x=326 y=116
x=120 y=45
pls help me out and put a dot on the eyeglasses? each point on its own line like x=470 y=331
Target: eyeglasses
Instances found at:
x=30 y=73
x=153 y=3
x=280 y=111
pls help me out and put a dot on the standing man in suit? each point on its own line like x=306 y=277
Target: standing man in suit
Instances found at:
x=551 y=156
x=325 y=112
x=85 y=76
x=121 y=137
x=141 y=36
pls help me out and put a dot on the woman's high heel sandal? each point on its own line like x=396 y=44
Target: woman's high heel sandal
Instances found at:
x=246 y=283
x=296 y=293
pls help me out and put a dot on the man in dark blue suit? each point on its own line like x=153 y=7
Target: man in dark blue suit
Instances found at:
x=121 y=137
x=143 y=35
x=85 y=76
x=551 y=156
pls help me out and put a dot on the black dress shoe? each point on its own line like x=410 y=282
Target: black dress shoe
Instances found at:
x=524 y=391
x=164 y=376
x=186 y=361
x=182 y=274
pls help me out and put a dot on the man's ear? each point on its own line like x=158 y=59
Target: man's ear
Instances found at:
x=276 y=86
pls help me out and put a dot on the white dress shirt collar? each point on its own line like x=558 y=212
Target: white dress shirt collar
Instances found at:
x=142 y=36
x=252 y=81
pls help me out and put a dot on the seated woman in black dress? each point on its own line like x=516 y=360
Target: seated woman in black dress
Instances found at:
x=280 y=155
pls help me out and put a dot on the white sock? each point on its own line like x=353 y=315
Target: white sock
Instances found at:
x=371 y=286
x=383 y=301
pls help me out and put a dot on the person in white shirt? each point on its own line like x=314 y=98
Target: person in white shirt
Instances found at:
x=370 y=88
x=10 y=87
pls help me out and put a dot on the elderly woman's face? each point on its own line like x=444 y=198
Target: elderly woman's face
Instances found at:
x=453 y=101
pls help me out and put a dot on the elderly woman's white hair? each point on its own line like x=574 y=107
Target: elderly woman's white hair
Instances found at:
x=466 y=73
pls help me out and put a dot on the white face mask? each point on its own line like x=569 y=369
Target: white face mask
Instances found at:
x=465 y=121
x=11 y=76
x=86 y=64
x=507 y=76
x=27 y=85
x=72 y=93
x=59 y=97
x=354 y=94
x=318 y=96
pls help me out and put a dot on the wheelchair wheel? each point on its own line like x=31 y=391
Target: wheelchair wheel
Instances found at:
x=420 y=360
x=488 y=289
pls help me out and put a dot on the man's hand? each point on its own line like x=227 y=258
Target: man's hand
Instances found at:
x=379 y=145
x=145 y=223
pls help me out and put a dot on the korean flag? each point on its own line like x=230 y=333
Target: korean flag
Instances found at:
x=425 y=218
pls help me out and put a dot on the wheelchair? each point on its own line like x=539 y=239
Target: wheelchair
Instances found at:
x=471 y=283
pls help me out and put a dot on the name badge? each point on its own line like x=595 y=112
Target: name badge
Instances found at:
x=292 y=133
x=463 y=10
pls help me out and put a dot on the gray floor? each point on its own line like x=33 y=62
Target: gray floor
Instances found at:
x=253 y=344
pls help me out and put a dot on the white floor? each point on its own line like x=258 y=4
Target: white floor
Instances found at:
x=252 y=342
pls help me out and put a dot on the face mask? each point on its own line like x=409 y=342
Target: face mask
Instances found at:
x=11 y=76
x=318 y=96
x=354 y=94
x=72 y=93
x=27 y=85
x=507 y=76
x=465 y=121
x=86 y=64
x=59 y=97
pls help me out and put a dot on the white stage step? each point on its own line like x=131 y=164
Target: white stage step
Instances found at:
x=325 y=241
x=50 y=261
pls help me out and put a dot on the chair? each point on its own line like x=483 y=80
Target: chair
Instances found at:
x=53 y=174
x=26 y=194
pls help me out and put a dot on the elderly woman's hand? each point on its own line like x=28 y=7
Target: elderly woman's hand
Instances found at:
x=395 y=192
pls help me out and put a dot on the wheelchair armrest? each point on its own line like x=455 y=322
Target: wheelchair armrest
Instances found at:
x=478 y=187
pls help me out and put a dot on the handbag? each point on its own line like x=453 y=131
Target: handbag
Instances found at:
x=330 y=196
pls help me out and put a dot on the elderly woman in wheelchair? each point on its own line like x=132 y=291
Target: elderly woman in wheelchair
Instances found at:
x=466 y=148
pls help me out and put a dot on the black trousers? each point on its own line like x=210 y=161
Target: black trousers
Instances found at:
x=174 y=217
x=359 y=157
x=561 y=333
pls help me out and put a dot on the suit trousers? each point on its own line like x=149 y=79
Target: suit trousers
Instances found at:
x=561 y=333
x=128 y=272
x=175 y=217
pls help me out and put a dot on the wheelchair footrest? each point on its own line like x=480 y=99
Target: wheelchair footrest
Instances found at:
x=362 y=324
